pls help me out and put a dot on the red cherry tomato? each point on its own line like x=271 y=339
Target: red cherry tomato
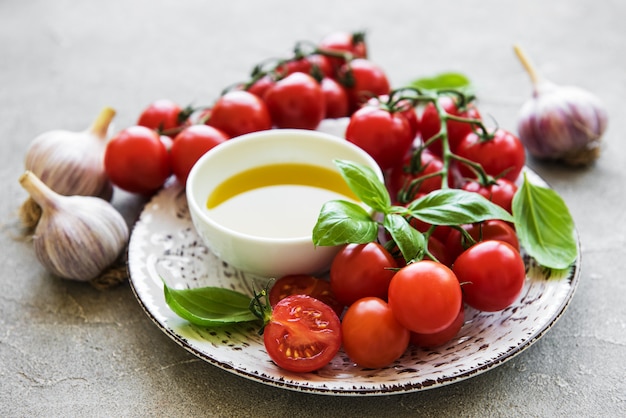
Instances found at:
x=430 y=123
x=259 y=87
x=372 y=337
x=315 y=65
x=493 y=229
x=437 y=339
x=501 y=193
x=361 y=270
x=191 y=144
x=303 y=334
x=239 y=112
x=383 y=135
x=363 y=80
x=335 y=99
x=492 y=273
x=402 y=179
x=353 y=43
x=503 y=155
x=300 y=284
x=163 y=116
x=296 y=101
x=137 y=161
x=425 y=296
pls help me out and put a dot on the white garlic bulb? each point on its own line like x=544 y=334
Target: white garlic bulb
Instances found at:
x=72 y=163
x=563 y=123
x=77 y=237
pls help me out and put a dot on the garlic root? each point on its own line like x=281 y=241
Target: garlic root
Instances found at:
x=77 y=237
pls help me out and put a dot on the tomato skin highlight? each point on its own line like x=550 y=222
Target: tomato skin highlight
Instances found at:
x=425 y=296
x=303 y=334
x=372 y=337
x=136 y=160
x=493 y=275
x=361 y=270
x=189 y=145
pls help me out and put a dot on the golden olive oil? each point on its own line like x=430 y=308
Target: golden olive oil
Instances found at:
x=277 y=200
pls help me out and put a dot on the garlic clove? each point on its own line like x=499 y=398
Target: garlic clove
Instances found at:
x=77 y=237
x=71 y=163
x=562 y=123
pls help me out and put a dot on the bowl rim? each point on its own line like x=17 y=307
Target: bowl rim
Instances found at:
x=242 y=139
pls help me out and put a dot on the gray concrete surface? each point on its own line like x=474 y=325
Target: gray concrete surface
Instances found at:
x=67 y=349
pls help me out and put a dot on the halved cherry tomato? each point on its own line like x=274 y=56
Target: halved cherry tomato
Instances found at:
x=302 y=284
x=372 y=337
x=303 y=334
x=492 y=274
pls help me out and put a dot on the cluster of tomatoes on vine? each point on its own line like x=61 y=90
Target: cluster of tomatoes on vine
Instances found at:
x=327 y=80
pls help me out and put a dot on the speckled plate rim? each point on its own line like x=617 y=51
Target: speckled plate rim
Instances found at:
x=152 y=301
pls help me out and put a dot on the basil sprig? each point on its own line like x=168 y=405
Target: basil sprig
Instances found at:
x=209 y=306
x=544 y=225
x=342 y=222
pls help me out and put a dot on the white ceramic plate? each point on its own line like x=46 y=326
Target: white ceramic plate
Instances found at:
x=164 y=242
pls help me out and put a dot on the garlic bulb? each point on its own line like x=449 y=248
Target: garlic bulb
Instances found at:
x=71 y=163
x=77 y=237
x=563 y=123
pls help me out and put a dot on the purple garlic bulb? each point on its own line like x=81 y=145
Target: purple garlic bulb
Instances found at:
x=561 y=123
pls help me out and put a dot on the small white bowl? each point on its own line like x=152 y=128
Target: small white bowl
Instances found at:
x=265 y=256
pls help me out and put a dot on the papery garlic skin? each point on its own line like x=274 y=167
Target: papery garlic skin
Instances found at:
x=77 y=237
x=71 y=163
x=562 y=123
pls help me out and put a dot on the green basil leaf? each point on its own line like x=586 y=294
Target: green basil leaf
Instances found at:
x=544 y=226
x=444 y=81
x=365 y=184
x=343 y=222
x=410 y=241
x=456 y=207
x=209 y=306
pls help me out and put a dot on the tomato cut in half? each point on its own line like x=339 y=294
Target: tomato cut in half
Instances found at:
x=303 y=334
x=302 y=284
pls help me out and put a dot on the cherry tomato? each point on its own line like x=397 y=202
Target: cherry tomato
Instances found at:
x=501 y=193
x=303 y=334
x=402 y=179
x=437 y=339
x=363 y=80
x=191 y=144
x=430 y=123
x=503 y=155
x=163 y=116
x=383 y=135
x=137 y=161
x=404 y=107
x=353 y=43
x=361 y=270
x=239 y=112
x=492 y=273
x=296 y=101
x=300 y=284
x=425 y=296
x=372 y=337
x=335 y=99
x=493 y=229
x=259 y=87
x=315 y=65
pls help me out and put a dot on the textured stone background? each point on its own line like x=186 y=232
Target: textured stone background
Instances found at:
x=67 y=349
